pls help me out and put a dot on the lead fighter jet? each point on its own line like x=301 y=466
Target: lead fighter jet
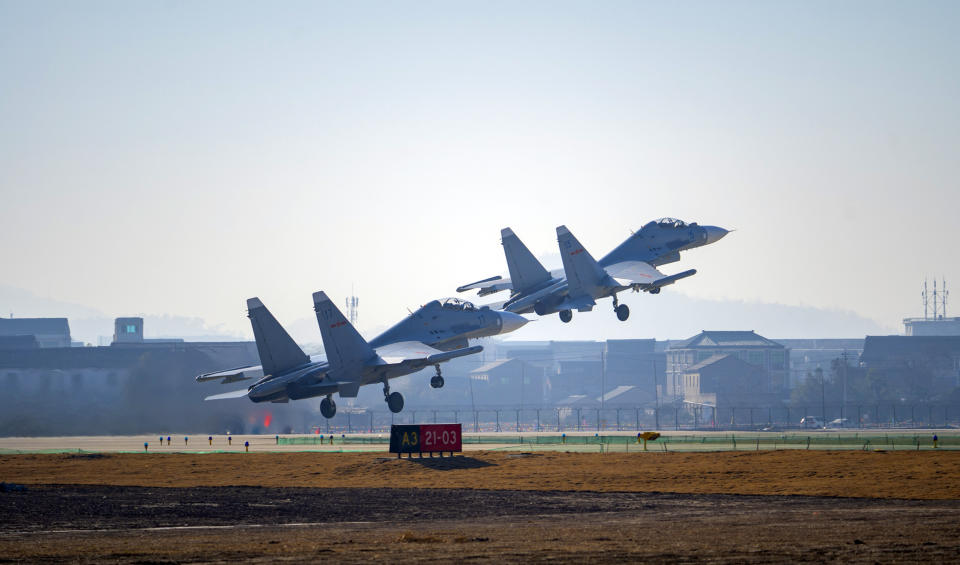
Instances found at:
x=583 y=280
x=437 y=332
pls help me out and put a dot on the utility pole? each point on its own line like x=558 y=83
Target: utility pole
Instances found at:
x=823 y=397
x=603 y=374
x=656 y=394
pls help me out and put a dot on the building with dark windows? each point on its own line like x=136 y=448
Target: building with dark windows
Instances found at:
x=747 y=346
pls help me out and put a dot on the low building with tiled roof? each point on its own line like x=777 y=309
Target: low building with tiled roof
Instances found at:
x=747 y=346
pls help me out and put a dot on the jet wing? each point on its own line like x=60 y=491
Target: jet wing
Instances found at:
x=643 y=275
x=418 y=353
x=232 y=375
x=488 y=286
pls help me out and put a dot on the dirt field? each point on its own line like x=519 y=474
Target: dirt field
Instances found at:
x=716 y=507
x=902 y=474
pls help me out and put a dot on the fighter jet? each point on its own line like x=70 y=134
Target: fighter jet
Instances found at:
x=437 y=332
x=583 y=280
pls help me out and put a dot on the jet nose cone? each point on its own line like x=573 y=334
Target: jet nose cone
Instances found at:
x=715 y=234
x=511 y=321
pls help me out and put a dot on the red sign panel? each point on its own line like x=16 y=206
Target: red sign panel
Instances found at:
x=440 y=437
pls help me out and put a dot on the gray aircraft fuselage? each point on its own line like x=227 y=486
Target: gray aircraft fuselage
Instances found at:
x=443 y=325
x=658 y=243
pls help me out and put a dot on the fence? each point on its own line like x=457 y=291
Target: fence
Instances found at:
x=673 y=441
x=682 y=417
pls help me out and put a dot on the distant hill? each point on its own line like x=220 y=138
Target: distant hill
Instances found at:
x=669 y=315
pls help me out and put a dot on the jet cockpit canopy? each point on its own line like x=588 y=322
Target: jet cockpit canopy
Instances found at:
x=454 y=303
x=672 y=222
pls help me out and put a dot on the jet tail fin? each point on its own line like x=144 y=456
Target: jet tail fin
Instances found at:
x=525 y=271
x=583 y=272
x=344 y=345
x=278 y=352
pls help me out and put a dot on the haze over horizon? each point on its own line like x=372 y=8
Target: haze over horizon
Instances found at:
x=177 y=158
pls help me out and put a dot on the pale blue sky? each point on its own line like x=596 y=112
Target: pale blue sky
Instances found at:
x=179 y=157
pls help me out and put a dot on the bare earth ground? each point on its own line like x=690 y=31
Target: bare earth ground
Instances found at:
x=757 y=507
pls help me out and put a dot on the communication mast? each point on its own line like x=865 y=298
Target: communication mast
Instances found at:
x=937 y=300
x=352 y=305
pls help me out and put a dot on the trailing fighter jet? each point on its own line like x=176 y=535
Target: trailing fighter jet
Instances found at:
x=583 y=280
x=435 y=333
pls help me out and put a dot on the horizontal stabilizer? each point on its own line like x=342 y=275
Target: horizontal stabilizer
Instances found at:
x=226 y=395
x=232 y=375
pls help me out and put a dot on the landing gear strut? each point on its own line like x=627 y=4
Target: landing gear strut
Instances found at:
x=623 y=312
x=566 y=316
x=328 y=407
x=436 y=381
x=394 y=400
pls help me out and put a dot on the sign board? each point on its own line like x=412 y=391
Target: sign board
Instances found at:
x=425 y=438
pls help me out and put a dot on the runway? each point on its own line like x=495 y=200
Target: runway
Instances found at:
x=588 y=441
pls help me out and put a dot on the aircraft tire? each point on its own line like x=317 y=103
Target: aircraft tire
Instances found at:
x=566 y=316
x=655 y=291
x=328 y=408
x=395 y=402
x=436 y=382
x=623 y=312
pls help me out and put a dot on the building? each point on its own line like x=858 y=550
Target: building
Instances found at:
x=808 y=355
x=48 y=332
x=928 y=362
x=510 y=382
x=724 y=380
x=747 y=346
x=939 y=326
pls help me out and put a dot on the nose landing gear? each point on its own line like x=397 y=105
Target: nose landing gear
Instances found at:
x=566 y=316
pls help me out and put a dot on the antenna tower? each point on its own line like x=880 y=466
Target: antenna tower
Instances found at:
x=943 y=298
x=352 y=304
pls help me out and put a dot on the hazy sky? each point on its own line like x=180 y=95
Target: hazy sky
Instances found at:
x=180 y=157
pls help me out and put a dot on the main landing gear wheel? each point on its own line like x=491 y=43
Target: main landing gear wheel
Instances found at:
x=394 y=402
x=622 y=312
x=328 y=408
x=566 y=316
x=655 y=291
x=437 y=380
